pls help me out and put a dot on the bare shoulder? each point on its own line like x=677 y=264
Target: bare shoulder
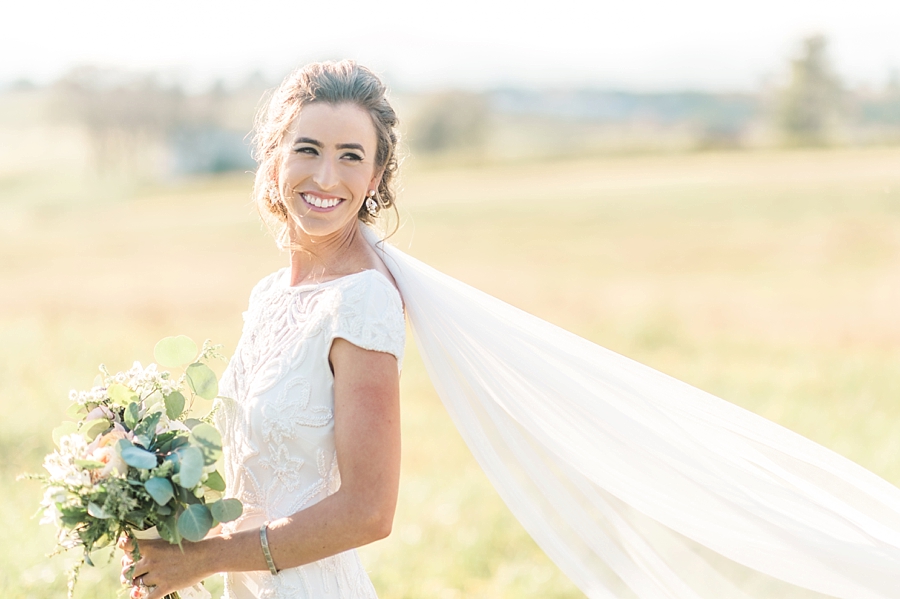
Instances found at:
x=370 y=260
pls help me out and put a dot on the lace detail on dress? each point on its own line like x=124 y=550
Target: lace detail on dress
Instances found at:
x=276 y=414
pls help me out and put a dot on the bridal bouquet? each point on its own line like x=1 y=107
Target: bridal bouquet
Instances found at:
x=134 y=462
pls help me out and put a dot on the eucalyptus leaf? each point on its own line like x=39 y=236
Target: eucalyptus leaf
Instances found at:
x=190 y=460
x=173 y=352
x=147 y=426
x=176 y=443
x=139 y=458
x=66 y=428
x=121 y=394
x=76 y=410
x=215 y=481
x=206 y=438
x=202 y=380
x=91 y=428
x=132 y=415
x=192 y=422
x=195 y=522
x=174 y=405
x=160 y=490
x=97 y=512
x=226 y=510
x=168 y=529
x=136 y=518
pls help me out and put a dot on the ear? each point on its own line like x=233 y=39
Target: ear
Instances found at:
x=375 y=182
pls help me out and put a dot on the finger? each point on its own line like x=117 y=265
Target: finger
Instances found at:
x=125 y=544
x=127 y=573
x=139 y=569
x=156 y=593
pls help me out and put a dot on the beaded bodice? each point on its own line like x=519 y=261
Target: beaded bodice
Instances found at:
x=276 y=413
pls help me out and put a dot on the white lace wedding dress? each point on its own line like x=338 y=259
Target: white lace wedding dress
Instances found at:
x=277 y=418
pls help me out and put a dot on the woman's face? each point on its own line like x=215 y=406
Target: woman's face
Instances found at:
x=328 y=167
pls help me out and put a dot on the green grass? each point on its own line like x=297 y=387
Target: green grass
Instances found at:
x=770 y=279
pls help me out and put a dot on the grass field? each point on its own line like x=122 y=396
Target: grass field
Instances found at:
x=771 y=279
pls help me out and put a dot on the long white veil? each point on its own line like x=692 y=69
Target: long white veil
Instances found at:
x=638 y=485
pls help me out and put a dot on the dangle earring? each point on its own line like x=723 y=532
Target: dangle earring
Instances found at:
x=372 y=204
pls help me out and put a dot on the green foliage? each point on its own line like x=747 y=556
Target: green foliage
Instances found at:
x=66 y=428
x=215 y=481
x=160 y=489
x=174 y=405
x=202 y=380
x=451 y=121
x=208 y=440
x=811 y=103
x=132 y=415
x=194 y=523
x=121 y=395
x=135 y=456
x=147 y=426
x=97 y=512
x=190 y=467
x=174 y=352
x=226 y=510
x=92 y=428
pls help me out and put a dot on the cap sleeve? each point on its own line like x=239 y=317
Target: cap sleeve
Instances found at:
x=369 y=314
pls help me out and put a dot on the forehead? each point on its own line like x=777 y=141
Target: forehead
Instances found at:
x=334 y=124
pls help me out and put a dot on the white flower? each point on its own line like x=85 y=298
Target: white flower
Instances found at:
x=51 y=515
x=112 y=460
x=171 y=425
x=53 y=496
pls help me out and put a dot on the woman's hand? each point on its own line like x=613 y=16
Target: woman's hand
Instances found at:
x=163 y=568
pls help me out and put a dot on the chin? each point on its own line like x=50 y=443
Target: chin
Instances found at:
x=318 y=227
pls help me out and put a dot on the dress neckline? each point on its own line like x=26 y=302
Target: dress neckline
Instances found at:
x=284 y=276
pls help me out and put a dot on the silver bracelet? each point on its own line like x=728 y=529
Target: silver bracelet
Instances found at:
x=264 y=541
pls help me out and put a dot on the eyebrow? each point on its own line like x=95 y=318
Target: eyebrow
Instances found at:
x=319 y=144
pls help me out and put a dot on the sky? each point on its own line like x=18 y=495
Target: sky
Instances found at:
x=644 y=45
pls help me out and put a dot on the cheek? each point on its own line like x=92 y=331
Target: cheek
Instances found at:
x=360 y=180
x=292 y=173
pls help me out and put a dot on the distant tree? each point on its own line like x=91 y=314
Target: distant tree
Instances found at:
x=124 y=113
x=447 y=121
x=892 y=98
x=810 y=104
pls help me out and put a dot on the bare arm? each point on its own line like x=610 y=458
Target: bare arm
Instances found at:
x=367 y=442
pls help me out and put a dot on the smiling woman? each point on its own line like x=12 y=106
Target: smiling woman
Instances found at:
x=634 y=483
x=347 y=138
x=328 y=168
x=309 y=406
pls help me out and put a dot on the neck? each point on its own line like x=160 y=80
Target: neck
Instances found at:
x=322 y=258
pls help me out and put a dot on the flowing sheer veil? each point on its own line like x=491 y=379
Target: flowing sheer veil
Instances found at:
x=638 y=485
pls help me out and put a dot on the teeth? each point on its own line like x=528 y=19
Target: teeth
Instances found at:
x=321 y=202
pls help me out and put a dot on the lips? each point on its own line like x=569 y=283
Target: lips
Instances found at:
x=320 y=202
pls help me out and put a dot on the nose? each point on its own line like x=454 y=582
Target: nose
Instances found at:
x=325 y=175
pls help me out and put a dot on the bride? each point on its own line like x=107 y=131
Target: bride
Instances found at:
x=635 y=484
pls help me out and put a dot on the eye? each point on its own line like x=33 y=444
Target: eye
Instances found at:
x=352 y=156
x=308 y=150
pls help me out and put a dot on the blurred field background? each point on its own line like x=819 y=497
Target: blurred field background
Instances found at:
x=746 y=243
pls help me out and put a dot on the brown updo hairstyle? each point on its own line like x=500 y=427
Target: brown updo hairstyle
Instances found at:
x=331 y=83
